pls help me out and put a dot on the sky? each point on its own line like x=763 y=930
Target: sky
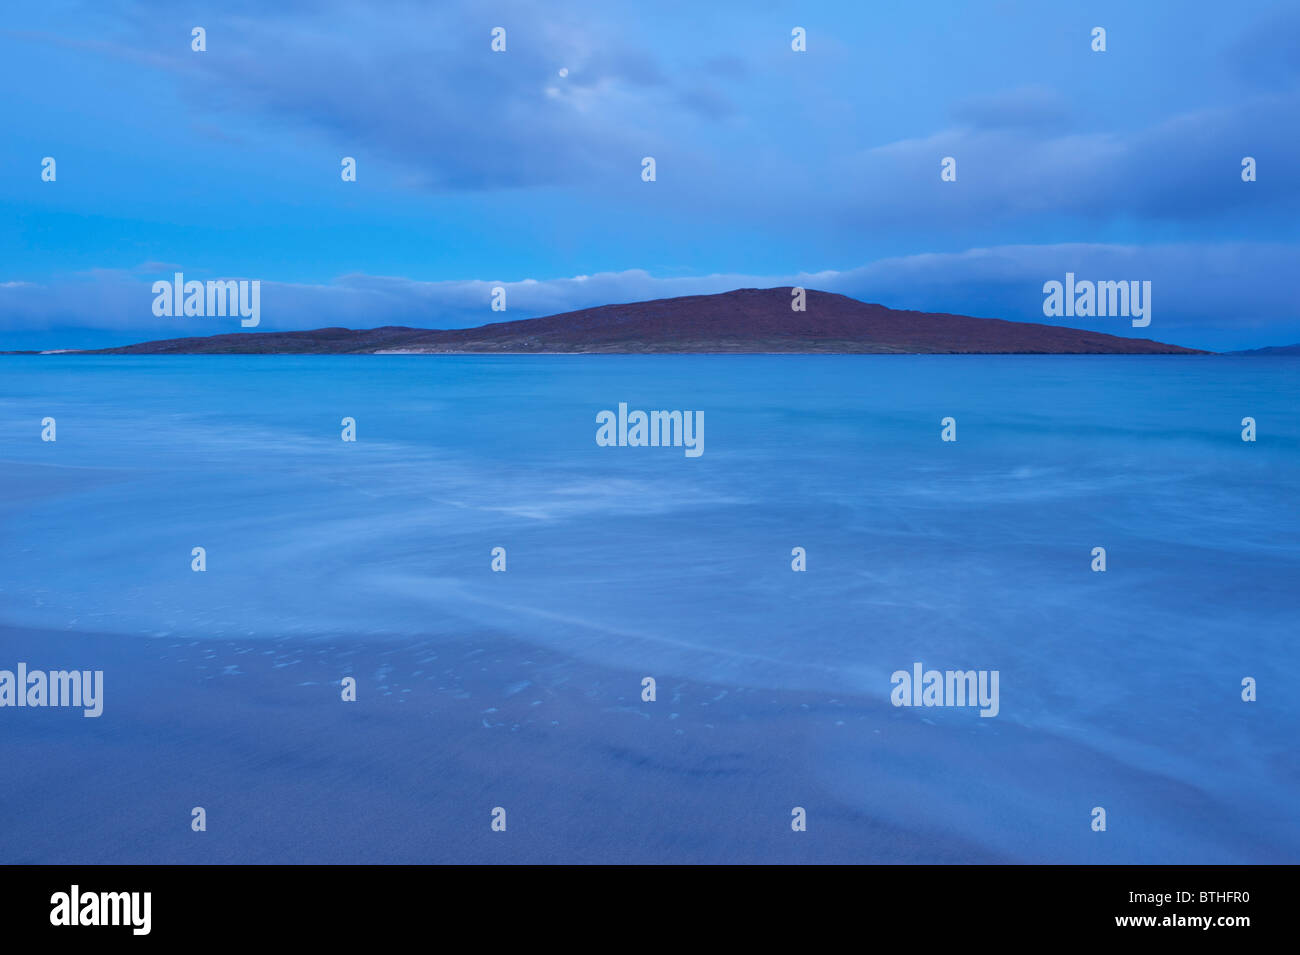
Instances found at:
x=523 y=168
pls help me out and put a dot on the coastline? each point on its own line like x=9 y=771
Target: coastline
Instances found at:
x=1118 y=690
x=444 y=731
x=440 y=734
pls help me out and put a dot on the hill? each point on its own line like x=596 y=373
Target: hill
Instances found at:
x=744 y=320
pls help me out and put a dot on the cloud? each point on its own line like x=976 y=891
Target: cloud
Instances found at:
x=1267 y=53
x=1185 y=169
x=727 y=66
x=1032 y=107
x=417 y=89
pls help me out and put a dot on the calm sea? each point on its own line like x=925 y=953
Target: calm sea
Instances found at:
x=973 y=554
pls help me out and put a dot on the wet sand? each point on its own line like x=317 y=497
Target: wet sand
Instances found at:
x=441 y=733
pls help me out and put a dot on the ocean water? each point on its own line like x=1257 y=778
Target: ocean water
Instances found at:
x=1118 y=689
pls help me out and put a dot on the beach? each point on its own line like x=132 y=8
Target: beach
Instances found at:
x=522 y=689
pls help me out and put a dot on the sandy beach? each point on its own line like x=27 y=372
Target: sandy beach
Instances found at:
x=439 y=736
x=443 y=732
x=521 y=689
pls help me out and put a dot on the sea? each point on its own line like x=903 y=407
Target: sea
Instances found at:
x=475 y=500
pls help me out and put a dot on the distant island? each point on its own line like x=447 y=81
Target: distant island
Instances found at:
x=753 y=321
x=1270 y=350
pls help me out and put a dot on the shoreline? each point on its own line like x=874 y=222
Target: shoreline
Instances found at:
x=444 y=731
x=1254 y=353
x=441 y=734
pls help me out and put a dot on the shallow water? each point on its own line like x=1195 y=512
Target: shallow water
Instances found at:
x=965 y=555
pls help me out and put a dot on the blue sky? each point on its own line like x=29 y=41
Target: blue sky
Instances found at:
x=774 y=167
